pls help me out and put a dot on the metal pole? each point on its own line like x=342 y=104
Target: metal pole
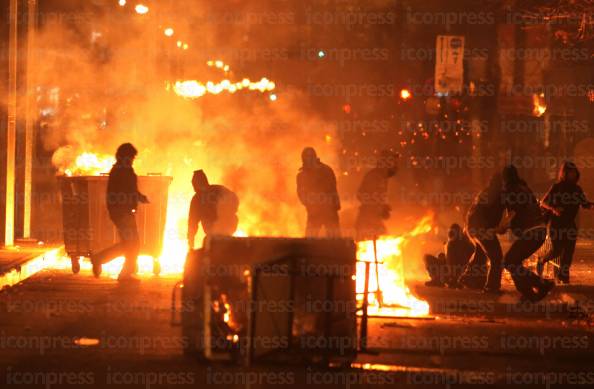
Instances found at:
x=11 y=128
x=30 y=117
x=363 y=335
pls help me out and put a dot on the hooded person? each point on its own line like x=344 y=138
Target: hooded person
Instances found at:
x=213 y=206
x=562 y=202
x=445 y=269
x=527 y=226
x=373 y=198
x=482 y=221
x=122 y=198
x=316 y=189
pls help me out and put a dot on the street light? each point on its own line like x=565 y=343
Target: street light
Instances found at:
x=168 y=31
x=405 y=94
x=141 y=9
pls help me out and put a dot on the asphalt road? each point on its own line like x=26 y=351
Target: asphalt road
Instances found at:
x=59 y=330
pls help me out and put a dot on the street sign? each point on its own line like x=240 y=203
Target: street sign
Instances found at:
x=449 y=69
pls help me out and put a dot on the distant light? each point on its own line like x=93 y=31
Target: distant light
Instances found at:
x=180 y=44
x=346 y=108
x=141 y=9
x=273 y=97
x=122 y=3
x=168 y=31
x=405 y=94
x=321 y=54
x=186 y=46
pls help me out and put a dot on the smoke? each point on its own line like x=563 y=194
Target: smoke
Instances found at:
x=104 y=83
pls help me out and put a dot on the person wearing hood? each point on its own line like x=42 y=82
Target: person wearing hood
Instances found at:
x=482 y=221
x=527 y=225
x=373 y=198
x=122 y=199
x=562 y=202
x=445 y=269
x=213 y=206
x=316 y=189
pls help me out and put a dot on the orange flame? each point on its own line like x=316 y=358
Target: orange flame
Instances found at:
x=396 y=299
x=90 y=164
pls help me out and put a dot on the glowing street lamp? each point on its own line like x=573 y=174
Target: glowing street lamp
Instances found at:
x=405 y=94
x=168 y=31
x=122 y=3
x=141 y=9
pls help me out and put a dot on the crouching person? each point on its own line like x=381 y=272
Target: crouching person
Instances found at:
x=215 y=208
x=446 y=268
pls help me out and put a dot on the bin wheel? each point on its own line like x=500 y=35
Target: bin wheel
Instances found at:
x=75 y=264
x=156 y=267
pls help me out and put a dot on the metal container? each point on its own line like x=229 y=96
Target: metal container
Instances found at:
x=87 y=226
x=237 y=291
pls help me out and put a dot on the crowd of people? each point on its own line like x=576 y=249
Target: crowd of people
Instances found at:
x=508 y=204
x=472 y=258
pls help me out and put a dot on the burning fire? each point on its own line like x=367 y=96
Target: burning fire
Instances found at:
x=539 y=105
x=393 y=298
x=90 y=164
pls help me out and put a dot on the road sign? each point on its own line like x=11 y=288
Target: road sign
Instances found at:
x=449 y=69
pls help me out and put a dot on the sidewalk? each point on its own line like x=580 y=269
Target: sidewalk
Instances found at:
x=20 y=262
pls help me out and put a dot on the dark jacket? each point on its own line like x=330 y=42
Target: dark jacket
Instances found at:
x=122 y=191
x=486 y=210
x=374 y=188
x=518 y=198
x=567 y=196
x=458 y=251
x=216 y=208
x=316 y=188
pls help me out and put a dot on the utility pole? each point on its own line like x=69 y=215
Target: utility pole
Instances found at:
x=11 y=127
x=30 y=116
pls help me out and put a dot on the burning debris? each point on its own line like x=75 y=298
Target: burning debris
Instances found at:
x=388 y=293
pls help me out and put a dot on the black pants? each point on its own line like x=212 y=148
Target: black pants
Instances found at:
x=128 y=246
x=527 y=282
x=486 y=246
x=370 y=221
x=326 y=219
x=563 y=239
x=436 y=268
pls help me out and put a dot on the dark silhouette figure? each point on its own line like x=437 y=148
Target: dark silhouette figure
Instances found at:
x=482 y=221
x=213 y=206
x=563 y=201
x=529 y=230
x=373 y=197
x=122 y=199
x=445 y=269
x=316 y=188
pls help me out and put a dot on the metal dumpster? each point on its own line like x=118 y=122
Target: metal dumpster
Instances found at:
x=299 y=293
x=86 y=223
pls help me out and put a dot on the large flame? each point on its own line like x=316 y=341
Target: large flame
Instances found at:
x=89 y=164
x=394 y=297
